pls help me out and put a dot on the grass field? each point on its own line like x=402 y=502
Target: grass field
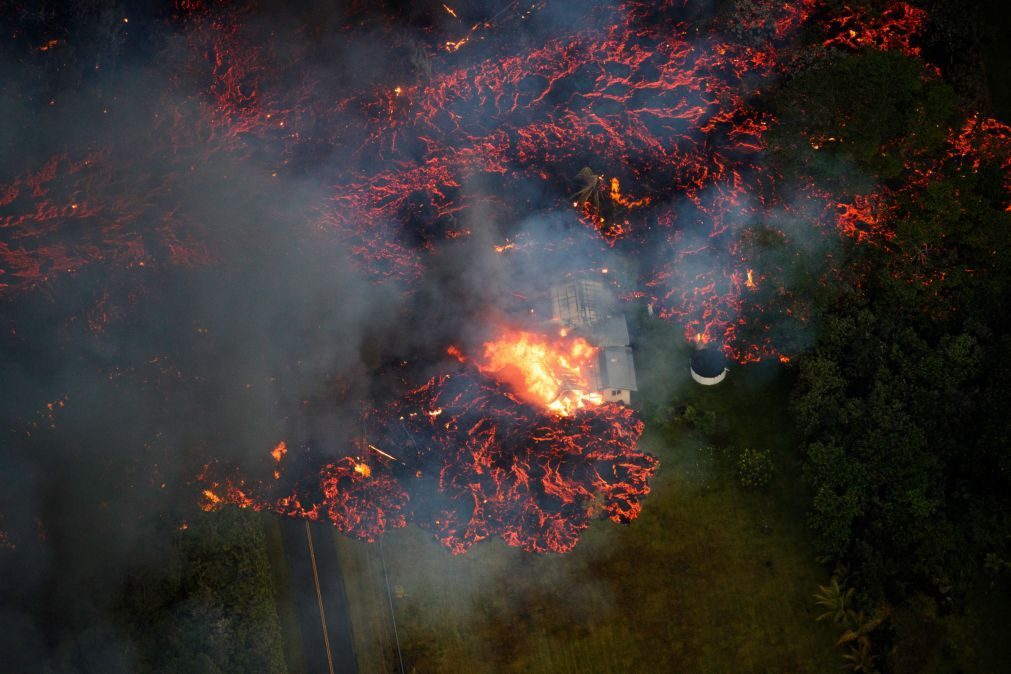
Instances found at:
x=710 y=578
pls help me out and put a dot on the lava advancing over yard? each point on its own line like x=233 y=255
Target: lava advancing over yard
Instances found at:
x=638 y=125
x=482 y=457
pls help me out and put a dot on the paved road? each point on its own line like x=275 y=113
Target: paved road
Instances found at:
x=320 y=602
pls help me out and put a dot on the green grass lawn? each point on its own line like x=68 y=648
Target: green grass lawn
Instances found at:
x=710 y=578
x=970 y=640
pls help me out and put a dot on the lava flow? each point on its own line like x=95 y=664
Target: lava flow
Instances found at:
x=493 y=467
x=345 y=493
x=643 y=130
x=479 y=457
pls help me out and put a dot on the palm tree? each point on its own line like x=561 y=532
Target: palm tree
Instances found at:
x=591 y=190
x=859 y=626
x=859 y=658
x=836 y=600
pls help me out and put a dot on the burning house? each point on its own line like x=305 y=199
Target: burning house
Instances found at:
x=587 y=308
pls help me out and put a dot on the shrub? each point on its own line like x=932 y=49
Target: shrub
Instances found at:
x=754 y=468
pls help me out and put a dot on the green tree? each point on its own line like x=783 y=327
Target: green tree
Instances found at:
x=854 y=119
x=836 y=599
x=208 y=605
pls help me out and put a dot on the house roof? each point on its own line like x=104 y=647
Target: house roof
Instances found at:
x=616 y=369
x=580 y=302
x=588 y=306
x=610 y=331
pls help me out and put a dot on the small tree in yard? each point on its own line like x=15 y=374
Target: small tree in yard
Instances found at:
x=857 y=626
x=754 y=468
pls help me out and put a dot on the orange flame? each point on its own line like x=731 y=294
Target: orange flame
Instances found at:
x=279 y=451
x=211 y=500
x=543 y=371
x=455 y=46
x=618 y=198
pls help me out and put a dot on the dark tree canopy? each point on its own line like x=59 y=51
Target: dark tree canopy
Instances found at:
x=900 y=398
x=854 y=119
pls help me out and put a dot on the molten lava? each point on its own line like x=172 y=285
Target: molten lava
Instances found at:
x=346 y=493
x=489 y=466
x=509 y=442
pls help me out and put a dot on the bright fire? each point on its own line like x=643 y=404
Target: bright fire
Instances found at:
x=554 y=373
x=750 y=282
x=278 y=454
